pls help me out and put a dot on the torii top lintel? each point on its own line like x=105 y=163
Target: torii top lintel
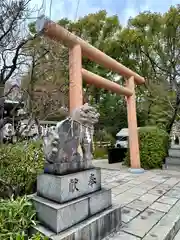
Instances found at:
x=58 y=33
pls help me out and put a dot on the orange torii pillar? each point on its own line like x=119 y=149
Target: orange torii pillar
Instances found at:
x=77 y=49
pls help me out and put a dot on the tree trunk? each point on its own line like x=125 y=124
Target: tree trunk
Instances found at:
x=171 y=122
x=38 y=125
x=2 y=99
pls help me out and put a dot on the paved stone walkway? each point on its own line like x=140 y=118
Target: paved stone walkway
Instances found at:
x=150 y=202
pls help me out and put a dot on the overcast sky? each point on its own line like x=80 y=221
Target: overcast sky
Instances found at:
x=73 y=9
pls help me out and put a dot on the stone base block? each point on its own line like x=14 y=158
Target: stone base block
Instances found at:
x=95 y=228
x=172 y=161
x=136 y=170
x=175 y=146
x=67 y=187
x=174 y=152
x=58 y=217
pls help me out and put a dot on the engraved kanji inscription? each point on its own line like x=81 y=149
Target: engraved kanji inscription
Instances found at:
x=92 y=180
x=73 y=185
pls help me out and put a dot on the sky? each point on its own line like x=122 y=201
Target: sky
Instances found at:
x=73 y=9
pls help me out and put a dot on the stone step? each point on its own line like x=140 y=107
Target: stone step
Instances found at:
x=173 y=152
x=63 y=188
x=120 y=235
x=172 y=161
x=177 y=237
x=95 y=228
x=59 y=217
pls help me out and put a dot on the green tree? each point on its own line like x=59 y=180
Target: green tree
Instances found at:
x=45 y=83
x=153 y=50
x=99 y=30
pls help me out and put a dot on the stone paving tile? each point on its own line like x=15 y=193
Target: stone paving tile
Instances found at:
x=158 y=192
x=178 y=184
x=172 y=181
x=122 y=188
x=115 y=179
x=138 y=205
x=176 y=187
x=128 y=214
x=173 y=193
x=160 y=189
x=150 y=198
x=110 y=185
x=121 y=236
x=144 y=178
x=137 y=190
x=167 y=200
x=120 y=182
x=125 y=198
x=158 y=179
x=164 y=186
x=167 y=226
x=123 y=175
x=136 y=182
x=142 y=224
x=152 y=183
x=162 y=207
x=128 y=178
x=166 y=177
x=125 y=178
x=149 y=185
x=108 y=180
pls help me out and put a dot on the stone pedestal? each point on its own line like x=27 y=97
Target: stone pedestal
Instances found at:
x=64 y=188
x=66 y=203
x=173 y=158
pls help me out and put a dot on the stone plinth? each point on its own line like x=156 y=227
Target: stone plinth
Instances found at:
x=59 y=217
x=174 y=152
x=172 y=161
x=94 y=228
x=174 y=156
x=67 y=187
x=74 y=206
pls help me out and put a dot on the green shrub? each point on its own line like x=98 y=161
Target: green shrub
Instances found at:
x=100 y=152
x=34 y=237
x=16 y=217
x=153 y=144
x=19 y=166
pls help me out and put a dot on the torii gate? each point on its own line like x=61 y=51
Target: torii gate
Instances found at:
x=77 y=49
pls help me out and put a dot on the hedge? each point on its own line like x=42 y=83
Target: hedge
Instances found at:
x=19 y=166
x=153 y=144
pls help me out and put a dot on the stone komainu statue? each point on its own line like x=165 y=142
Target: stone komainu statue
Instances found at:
x=68 y=148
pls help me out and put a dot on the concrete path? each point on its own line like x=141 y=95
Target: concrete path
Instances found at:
x=150 y=202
